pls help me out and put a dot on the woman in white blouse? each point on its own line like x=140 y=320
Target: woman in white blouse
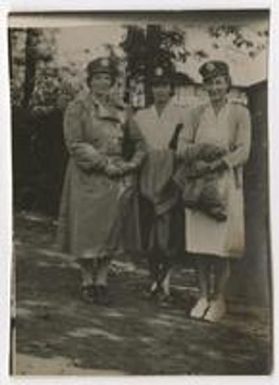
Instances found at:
x=162 y=219
x=223 y=126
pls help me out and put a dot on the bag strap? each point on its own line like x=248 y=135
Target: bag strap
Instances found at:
x=174 y=139
x=178 y=128
x=196 y=117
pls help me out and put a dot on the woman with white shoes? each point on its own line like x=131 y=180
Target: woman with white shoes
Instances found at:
x=218 y=127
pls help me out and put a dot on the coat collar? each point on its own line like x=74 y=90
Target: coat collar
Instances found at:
x=109 y=112
x=153 y=111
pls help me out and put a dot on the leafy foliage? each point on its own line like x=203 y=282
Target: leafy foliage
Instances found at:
x=39 y=80
x=251 y=42
x=146 y=47
x=36 y=79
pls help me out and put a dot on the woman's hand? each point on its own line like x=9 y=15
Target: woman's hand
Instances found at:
x=200 y=168
x=218 y=165
x=84 y=151
x=119 y=168
x=209 y=152
x=128 y=167
x=87 y=157
x=113 y=171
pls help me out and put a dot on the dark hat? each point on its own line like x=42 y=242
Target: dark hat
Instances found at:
x=162 y=73
x=102 y=65
x=214 y=68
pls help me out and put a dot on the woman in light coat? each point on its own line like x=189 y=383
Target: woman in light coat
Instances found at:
x=225 y=126
x=99 y=180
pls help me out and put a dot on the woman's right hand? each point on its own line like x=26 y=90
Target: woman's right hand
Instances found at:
x=84 y=150
x=87 y=157
x=200 y=168
x=113 y=171
x=121 y=168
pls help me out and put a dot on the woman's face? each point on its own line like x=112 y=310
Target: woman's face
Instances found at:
x=217 y=88
x=100 y=83
x=161 y=92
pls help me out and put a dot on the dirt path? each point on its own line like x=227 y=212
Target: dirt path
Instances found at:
x=58 y=334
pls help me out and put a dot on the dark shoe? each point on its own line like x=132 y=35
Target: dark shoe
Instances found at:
x=166 y=300
x=87 y=293
x=101 y=295
x=152 y=292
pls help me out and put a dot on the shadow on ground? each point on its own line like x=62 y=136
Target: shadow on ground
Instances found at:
x=58 y=334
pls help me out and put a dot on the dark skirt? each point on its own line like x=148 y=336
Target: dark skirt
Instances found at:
x=162 y=235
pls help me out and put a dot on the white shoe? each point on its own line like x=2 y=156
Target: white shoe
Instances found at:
x=200 y=308
x=154 y=287
x=216 y=311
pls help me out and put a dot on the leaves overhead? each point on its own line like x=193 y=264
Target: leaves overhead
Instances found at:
x=39 y=78
x=153 y=44
x=249 y=41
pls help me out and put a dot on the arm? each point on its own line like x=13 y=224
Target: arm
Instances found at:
x=134 y=146
x=140 y=148
x=241 y=149
x=199 y=157
x=242 y=143
x=187 y=149
x=84 y=154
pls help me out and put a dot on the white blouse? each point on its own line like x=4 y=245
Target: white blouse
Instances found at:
x=159 y=129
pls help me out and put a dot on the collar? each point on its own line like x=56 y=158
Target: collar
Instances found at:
x=169 y=105
x=109 y=112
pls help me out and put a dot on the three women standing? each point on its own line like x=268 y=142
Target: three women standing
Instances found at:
x=99 y=181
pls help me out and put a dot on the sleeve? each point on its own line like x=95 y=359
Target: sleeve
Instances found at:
x=137 y=142
x=241 y=148
x=187 y=149
x=83 y=153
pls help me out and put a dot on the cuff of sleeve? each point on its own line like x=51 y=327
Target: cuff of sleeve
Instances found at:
x=103 y=163
x=136 y=162
x=133 y=165
x=226 y=161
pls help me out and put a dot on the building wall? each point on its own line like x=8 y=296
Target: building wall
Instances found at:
x=189 y=96
x=194 y=94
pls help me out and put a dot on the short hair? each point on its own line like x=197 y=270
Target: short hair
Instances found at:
x=226 y=76
x=101 y=65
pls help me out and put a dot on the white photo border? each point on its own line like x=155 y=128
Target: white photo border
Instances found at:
x=6 y=189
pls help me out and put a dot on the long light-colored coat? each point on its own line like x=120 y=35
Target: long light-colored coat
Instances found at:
x=231 y=129
x=93 y=205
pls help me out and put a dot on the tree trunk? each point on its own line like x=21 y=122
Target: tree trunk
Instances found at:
x=30 y=67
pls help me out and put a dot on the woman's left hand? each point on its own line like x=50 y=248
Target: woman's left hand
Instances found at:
x=201 y=168
x=127 y=167
x=217 y=165
x=210 y=152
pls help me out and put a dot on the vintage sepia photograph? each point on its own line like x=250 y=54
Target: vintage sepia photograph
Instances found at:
x=141 y=239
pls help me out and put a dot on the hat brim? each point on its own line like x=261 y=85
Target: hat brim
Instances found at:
x=215 y=74
x=162 y=79
x=103 y=71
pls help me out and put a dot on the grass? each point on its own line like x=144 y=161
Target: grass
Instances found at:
x=56 y=333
